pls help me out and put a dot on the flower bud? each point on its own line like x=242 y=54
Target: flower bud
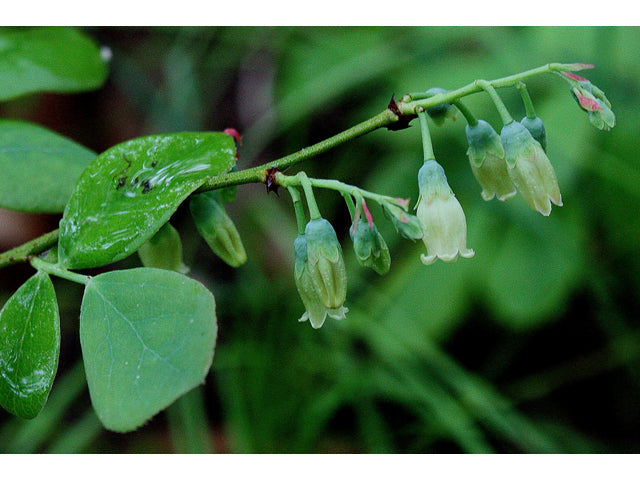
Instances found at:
x=315 y=311
x=218 y=230
x=486 y=157
x=163 y=250
x=592 y=100
x=440 y=113
x=406 y=224
x=536 y=129
x=369 y=246
x=326 y=265
x=441 y=216
x=530 y=169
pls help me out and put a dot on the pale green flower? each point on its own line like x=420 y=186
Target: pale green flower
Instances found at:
x=315 y=311
x=530 y=169
x=487 y=160
x=441 y=217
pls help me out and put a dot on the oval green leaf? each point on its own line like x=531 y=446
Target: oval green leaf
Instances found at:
x=132 y=189
x=29 y=346
x=48 y=59
x=147 y=337
x=38 y=168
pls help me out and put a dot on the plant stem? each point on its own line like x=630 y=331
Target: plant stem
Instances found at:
x=466 y=113
x=348 y=199
x=314 y=211
x=301 y=219
x=427 y=146
x=32 y=247
x=343 y=188
x=502 y=109
x=526 y=99
x=258 y=174
x=58 y=271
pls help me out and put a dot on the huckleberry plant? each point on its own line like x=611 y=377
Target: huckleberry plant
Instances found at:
x=148 y=334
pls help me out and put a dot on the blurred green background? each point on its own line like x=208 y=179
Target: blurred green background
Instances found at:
x=531 y=346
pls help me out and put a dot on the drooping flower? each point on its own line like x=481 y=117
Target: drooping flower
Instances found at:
x=218 y=230
x=441 y=217
x=315 y=311
x=325 y=263
x=529 y=168
x=487 y=160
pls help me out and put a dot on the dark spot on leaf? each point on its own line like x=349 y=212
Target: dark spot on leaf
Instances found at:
x=121 y=182
x=146 y=187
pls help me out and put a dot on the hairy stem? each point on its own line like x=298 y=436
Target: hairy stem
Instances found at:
x=32 y=247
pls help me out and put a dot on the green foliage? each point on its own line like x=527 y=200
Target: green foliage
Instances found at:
x=132 y=189
x=41 y=59
x=147 y=336
x=41 y=166
x=29 y=346
x=531 y=346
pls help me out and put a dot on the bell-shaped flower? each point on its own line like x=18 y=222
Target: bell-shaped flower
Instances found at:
x=530 y=169
x=325 y=263
x=218 y=230
x=443 y=222
x=370 y=248
x=487 y=160
x=315 y=311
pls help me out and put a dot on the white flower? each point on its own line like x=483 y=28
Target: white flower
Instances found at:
x=441 y=217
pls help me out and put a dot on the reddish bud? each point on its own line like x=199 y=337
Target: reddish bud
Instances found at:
x=234 y=133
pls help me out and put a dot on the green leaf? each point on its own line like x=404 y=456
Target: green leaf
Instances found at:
x=38 y=168
x=132 y=189
x=46 y=59
x=147 y=337
x=29 y=346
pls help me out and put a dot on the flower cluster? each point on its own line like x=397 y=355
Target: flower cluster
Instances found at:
x=506 y=164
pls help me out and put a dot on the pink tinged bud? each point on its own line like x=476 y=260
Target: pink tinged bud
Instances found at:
x=573 y=76
x=367 y=214
x=234 y=133
x=441 y=217
x=530 y=169
x=589 y=104
x=578 y=66
x=487 y=160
